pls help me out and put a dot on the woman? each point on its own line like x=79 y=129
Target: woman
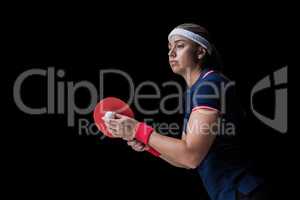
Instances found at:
x=210 y=139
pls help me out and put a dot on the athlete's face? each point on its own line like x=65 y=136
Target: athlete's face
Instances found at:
x=182 y=54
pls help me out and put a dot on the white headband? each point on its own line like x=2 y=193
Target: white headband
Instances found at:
x=192 y=36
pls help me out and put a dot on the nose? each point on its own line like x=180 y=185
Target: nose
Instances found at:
x=171 y=52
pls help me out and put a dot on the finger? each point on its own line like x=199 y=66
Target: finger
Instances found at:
x=138 y=150
x=142 y=148
x=120 y=116
x=115 y=134
x=135 y=146
x=139 y=146
x=108 y=126
x=113 y=121
x=131 y=142
x=146 y=148
x=112 y=125
x=116 y=121
x=113 y=131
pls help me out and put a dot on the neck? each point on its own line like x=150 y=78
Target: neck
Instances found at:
x=191 y=76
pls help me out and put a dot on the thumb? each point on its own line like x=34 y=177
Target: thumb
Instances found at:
x=119 y=116
x=146 y=148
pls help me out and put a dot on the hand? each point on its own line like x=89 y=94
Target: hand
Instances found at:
x=122 y=127
x=137 y=146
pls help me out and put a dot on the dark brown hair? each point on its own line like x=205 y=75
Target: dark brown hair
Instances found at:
x=212 y=61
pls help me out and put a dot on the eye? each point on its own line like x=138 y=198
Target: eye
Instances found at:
x=180 y=45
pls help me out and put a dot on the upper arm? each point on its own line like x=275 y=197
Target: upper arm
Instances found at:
x=199 y=133
x=183 y=136
x=200 y=130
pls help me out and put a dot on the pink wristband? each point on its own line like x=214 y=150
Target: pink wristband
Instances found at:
x=143 y=132
x=153 y=152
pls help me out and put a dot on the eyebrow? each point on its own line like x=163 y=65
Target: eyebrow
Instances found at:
x=179 y=40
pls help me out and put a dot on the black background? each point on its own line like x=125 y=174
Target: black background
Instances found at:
x=46 y=157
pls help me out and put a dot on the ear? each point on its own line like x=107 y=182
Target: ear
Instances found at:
x=201 y=52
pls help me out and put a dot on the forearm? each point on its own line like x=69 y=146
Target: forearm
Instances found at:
x=175 y=164
x=174 y=150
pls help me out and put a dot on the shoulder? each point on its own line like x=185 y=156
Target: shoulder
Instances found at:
x=210 y=82
x=215 y=76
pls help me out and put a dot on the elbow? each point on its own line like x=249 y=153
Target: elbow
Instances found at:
x=192 y=165
x=192 y=162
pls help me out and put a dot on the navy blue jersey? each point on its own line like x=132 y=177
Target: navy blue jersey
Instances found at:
x=224 y=170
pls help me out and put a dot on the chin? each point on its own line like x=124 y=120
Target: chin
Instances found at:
x=177 y=70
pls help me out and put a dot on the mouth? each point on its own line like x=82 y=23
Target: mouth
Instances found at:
x=173 y=63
